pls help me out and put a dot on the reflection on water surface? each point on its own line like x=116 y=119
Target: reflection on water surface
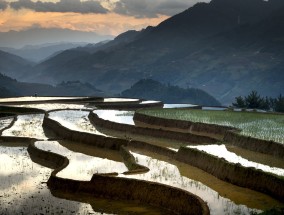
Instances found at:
x=81 y=166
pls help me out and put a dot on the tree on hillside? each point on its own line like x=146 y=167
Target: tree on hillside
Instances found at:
x=240 y=102
x=279 y=104
x=253 y=100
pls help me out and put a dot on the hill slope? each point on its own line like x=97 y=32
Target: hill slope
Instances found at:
x=225 y=47
x=11 y=87
x=12 y=65
x=149 y=89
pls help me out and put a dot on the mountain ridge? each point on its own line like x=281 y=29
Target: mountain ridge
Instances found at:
x=241 y=53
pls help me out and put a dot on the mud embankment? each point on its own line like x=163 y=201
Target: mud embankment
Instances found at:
x=234 y=173
x=230 y=135
x=159 y=133
x=152 y=148
x=47 y=159
x=183 y=125
x=20 y=110
x=101 y=141
x=106 y=186
x=67 y=100
x=175 y=200
x=130 y=162
x=254 y=144
x=83 y=137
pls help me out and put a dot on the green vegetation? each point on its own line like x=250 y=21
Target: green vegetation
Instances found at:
x=274 y=211
x=255 y=101
x=259 y=125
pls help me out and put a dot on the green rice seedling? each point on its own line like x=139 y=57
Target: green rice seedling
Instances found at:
x=258 y=125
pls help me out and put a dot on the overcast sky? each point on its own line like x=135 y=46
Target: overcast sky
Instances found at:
x=102 y=16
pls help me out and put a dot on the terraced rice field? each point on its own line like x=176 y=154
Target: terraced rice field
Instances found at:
x=25 y=174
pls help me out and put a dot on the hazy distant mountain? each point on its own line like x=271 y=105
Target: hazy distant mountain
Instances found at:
x=225 y=47
x=37 y=36
x=37 y=53
x=11 y=87
x=150 y=89
x=5 y=93
x=12 y=65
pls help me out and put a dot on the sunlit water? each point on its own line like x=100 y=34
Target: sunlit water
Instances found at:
x=75 y=120
x=123 y=117
x=179 y=105
x=27 y=126
x=149 y=102
x=166 y=173
x=81 y=166
x=120 y=100
x=222 y=152
x=23 y=189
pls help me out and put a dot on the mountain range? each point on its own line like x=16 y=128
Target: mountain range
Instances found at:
x=38 y=53
x=225 y=47
x=10 y=88
x=38 y=36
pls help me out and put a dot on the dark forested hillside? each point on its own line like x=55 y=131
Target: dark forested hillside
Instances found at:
x=11 y=87
x=150 y=89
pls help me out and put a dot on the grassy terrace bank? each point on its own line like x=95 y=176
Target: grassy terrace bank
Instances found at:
x=258 y=125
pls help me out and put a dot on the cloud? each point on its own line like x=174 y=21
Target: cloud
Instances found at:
x=3 y=5
x=75 y=6
x=133 y=8
x=151 y=9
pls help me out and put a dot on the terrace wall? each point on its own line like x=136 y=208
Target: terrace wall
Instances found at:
x=88 y=138
x=152 y=148
x=254 y=144
x=66 y=101
x=185 y=137
x=101 y=141
x=131 y=163
x=233 y=173
x=173 y=199
x=186 y=126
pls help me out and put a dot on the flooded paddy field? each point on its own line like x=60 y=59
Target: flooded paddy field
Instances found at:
x=27 y=126
x=124 y=117
x=23 y=188
x=81 y=166
x=221 y=197
x=222 y=152
x=74 y=120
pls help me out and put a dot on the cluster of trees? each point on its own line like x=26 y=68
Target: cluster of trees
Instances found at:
x=255 y=101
